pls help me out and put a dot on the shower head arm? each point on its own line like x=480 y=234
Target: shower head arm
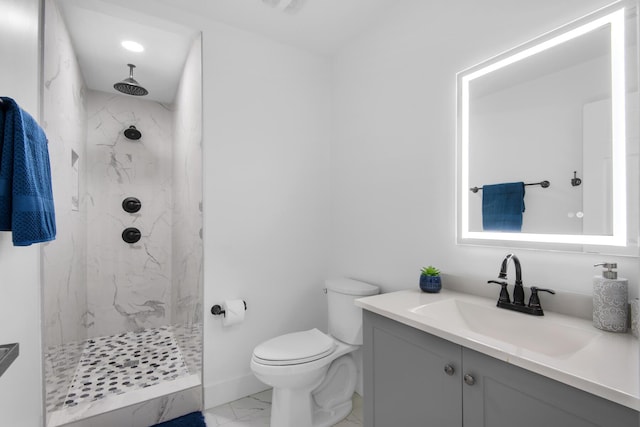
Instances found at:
x=130 y=86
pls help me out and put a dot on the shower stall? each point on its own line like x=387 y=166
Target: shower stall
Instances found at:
x=122 y=283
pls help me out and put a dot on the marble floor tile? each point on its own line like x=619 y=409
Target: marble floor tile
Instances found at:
x=255 y=411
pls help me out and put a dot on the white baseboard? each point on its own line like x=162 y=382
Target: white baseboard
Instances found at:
x=229 y=390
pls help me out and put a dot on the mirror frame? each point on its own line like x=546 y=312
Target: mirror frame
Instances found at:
x=613 y=15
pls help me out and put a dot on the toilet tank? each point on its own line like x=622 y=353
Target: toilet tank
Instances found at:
x=345 y=319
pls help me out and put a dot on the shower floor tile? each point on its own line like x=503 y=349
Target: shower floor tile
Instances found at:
x=189 y=338
x=61 y=362
x=117 y=364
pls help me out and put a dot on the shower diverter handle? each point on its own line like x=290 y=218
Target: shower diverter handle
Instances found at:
x=131 y=235
x=131 y=204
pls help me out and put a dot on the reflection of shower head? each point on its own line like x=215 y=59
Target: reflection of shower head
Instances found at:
x=132 y=133
x=129 y=85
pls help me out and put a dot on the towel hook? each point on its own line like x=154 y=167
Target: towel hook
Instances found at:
x=575 y=181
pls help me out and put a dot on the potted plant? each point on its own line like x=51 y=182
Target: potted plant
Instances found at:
x=430 y=280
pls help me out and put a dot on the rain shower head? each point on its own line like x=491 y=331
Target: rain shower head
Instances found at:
x=129 y=85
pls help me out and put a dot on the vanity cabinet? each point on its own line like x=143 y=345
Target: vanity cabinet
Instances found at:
x=414 y=379
x=404 y=380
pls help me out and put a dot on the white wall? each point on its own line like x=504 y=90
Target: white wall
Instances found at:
x=20 y=316
x=266 y=156
x=393 y=153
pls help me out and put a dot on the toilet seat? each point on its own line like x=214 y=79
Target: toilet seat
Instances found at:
x=294 y=348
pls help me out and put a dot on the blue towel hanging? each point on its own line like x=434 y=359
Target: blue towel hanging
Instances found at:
x=26 y=196
x=502 y=206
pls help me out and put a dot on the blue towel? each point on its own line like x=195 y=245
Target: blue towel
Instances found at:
x=502 y=206
x=26 y=196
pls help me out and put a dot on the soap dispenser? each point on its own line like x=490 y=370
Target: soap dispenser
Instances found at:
x=610 y=300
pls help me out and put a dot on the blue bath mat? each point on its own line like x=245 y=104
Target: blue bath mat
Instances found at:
x=194 y=419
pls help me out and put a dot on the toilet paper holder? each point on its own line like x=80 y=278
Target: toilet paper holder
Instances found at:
x=217 y=310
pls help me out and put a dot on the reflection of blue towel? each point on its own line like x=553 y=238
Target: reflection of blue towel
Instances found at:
x=502 y=206
x=26 y=197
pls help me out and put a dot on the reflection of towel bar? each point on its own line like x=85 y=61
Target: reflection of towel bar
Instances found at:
x=543 y=184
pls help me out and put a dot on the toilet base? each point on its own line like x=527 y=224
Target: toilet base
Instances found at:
x=291 y=408
x=324 y=418
x=326 y=399
x=299 y=409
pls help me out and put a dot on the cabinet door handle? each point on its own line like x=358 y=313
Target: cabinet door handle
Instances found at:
x=469 y=380
x=449 y=370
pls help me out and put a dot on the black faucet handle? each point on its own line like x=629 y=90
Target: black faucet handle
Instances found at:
x=534 y=301
x=504 y=293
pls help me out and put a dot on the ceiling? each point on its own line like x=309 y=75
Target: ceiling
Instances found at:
x=319 y=26
x=97 y=27
x=96 y=31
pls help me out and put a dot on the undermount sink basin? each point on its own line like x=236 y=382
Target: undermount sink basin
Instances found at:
x=539 y=334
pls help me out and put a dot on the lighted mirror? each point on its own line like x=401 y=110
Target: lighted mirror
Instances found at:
x=548 y=141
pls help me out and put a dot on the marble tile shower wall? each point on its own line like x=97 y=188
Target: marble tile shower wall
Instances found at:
x=187 y=273
x=128 y=285
x=64 y=120
x=187 y=207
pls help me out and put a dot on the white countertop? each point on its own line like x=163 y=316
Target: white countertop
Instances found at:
x=608 y=366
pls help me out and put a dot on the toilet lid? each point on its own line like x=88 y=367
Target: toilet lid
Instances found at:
x=295 y=348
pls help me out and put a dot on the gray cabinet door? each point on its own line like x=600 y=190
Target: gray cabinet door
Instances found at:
x=405 y=383
x=504 y=395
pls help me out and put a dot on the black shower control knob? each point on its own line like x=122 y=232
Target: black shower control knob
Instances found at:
x=131 y=235
x=131 y=204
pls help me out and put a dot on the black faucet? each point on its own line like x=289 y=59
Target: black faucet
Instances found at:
x=518 y=290
x=504 y=300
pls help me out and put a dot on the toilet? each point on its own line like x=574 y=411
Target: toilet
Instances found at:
x=313 y=374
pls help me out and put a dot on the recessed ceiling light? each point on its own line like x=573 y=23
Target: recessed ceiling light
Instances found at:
x=132 y=46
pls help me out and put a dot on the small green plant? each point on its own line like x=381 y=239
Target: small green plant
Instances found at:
x=430 y=271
